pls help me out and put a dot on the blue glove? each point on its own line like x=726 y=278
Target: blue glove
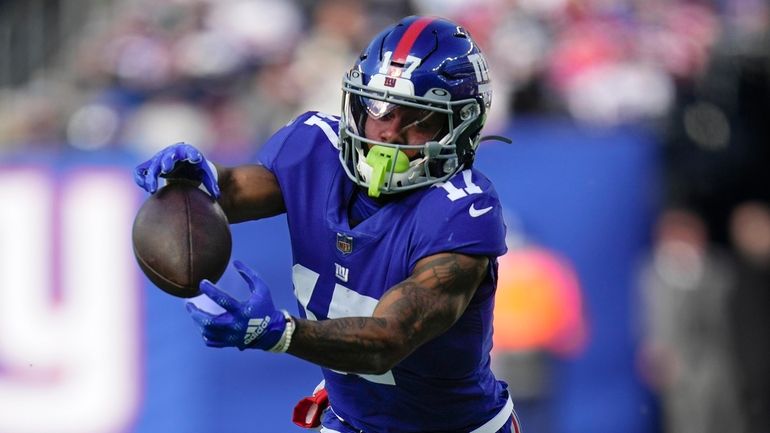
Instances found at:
x=184 y=160
x=253 y=323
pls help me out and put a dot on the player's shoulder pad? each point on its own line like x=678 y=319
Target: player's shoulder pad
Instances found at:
x=462 y=214
x=467 y=187
x=316 y=122
x=313 y=122
x=302 y=137
x=467 y=198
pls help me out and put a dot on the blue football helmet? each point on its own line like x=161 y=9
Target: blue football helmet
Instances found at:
x=432 y=67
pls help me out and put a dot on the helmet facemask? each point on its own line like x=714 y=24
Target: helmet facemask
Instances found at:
x=383 y=167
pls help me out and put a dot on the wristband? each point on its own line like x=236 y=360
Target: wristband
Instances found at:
x=283 y=344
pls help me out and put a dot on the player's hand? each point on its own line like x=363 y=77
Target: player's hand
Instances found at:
x=251 y=323
x=184 y=160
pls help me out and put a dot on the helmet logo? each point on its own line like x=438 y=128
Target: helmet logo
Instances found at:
x=479 y=67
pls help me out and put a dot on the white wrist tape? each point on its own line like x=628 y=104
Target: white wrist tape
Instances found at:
x=283 y=344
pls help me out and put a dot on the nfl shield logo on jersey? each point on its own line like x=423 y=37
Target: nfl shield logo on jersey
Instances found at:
x=344 y=243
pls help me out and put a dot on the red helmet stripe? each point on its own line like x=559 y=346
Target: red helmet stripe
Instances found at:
x=408 y=39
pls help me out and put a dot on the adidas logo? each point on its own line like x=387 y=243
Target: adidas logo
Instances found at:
x=256 y=329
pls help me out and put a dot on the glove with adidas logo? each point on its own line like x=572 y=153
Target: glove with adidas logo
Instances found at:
x=254 y=323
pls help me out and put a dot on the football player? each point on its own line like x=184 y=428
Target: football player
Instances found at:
x=395 y=238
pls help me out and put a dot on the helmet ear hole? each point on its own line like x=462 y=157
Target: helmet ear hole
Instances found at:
x=468 y=111
x=465 y=150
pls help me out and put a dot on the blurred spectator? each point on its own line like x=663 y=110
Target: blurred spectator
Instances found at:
x=539 y=318
x=716 y=153
x=191 y=63
x=32 y=118
x=519 y=87
x=687 y=355
x=156 y=124
x=272 y=97
x=750 y=236
x=247 y=63
x=337 y=35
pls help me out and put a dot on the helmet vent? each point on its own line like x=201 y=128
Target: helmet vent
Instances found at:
x=458 y=70
x=461 y=33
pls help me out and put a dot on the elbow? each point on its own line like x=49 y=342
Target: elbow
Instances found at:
x=381 y=364
x=388 y=356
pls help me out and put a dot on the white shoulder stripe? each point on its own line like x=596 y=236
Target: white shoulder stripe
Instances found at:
x=316 y=120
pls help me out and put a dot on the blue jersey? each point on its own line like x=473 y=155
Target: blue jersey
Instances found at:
x=445 y=385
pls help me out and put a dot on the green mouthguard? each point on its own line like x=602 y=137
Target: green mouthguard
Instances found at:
x=380 y=159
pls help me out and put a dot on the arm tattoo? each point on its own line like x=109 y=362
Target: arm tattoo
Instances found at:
x=349 y=344
x=412 y=312
x=435 y=296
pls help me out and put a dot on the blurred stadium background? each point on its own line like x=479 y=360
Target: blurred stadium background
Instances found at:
x=636 y=294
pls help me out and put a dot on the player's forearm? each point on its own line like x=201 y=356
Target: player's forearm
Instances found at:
x=366 y=345
x=249 y=192
x=410 y=313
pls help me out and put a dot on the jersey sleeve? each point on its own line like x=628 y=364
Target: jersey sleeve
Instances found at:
x=471 y=224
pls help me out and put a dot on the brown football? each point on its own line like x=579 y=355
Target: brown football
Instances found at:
x=181 y=236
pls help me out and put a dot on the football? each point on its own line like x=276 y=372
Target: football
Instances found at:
x=180 y=237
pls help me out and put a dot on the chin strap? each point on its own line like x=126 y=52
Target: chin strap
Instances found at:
x=496 y=138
